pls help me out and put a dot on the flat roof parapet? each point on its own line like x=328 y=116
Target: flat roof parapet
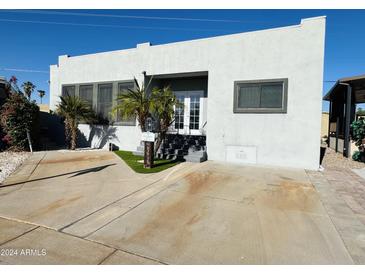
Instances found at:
x=144 y=45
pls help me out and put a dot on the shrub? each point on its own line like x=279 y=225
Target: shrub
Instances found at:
x=358 y=135
x=17 y=115
x=356 y=156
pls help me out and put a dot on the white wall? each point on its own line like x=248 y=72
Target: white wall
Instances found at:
x=295 y=52
x=99 y=136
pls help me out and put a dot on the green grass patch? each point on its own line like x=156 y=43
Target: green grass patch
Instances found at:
x=132 y=161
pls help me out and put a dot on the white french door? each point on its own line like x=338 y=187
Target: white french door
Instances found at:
x=188 y=119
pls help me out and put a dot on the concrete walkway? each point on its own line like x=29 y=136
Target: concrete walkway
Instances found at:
x=90 y=208
x=343 y=195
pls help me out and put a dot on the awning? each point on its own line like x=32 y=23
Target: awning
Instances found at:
x=358 y=89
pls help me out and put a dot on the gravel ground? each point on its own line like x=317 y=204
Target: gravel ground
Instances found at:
x=10 y=161
x=333 y=159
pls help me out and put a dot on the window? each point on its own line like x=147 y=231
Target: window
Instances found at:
x=263 y=96
x=123 y=88
x=86 y=93
x=101 y=97
x=68 y=91
x=104 y=100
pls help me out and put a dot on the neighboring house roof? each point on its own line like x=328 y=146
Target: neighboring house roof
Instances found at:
x=2 y=87
x=3 y=80
x=357 y=84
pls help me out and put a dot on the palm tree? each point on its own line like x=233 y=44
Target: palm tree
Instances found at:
x=41 y=94
x=135 y=101
x=74 y=110
x=13 y=84
x=163 y=102
x=28 y=88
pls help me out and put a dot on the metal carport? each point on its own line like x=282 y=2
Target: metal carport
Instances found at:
x=343 y=97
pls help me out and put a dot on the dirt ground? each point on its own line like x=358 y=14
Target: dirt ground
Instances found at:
x=333 y=159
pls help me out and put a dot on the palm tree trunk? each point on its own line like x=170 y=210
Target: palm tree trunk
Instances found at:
x=163 y=128
x=159 y=140
x=73 y=135
x=67 y=133
x=142 y=124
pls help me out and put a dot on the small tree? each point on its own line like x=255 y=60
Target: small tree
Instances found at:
x=13 y=84
x=360 y=112
x=163 y=102
x=41 y=94
x=74 y=110
x=136 y=102
x=28 y=89
x=358 y=135
x=18 y=115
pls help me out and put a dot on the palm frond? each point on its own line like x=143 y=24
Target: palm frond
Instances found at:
x=133 y=102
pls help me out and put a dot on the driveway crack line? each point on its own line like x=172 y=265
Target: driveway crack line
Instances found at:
x=118 y=200
x=105 y=206
x=129 y=210
x=113 y=247
x=107 y=257
x=26 y=232
x=74 y=236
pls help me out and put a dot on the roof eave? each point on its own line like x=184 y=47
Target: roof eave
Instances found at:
x=328 y=94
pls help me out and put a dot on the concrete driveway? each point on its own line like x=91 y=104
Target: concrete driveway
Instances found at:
x=90 y=208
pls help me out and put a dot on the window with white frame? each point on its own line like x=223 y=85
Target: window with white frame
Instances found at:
x=262 y=96
x=179 y=113
x=194 y=112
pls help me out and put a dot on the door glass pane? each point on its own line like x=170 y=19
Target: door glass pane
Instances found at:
x=272 y=95
x=194 y=112
x=86 y=93
x=104 y=104
x=179 y=113
x=122 y=89
x=68 y=91
x=249 y=96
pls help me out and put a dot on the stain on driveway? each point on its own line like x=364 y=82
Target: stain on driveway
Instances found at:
x=215 y=216
x=205 y=213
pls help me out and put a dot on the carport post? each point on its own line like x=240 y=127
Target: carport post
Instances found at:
x=347 y=120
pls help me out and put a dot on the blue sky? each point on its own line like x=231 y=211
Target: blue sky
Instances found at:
x=34 y=46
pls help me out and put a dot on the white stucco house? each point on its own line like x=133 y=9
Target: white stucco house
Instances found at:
x=255 y=96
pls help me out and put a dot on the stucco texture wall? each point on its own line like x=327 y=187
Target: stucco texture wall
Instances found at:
x=289 y=139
